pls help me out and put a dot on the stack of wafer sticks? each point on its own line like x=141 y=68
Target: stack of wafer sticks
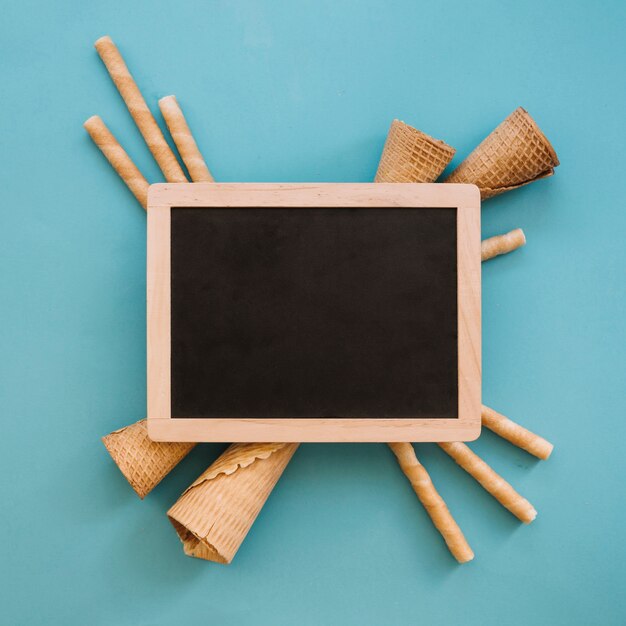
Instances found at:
x=410 y=155
x=214 y=514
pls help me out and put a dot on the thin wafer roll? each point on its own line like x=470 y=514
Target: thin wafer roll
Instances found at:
x=491 y=481
x=516 y=153
x=117 y=157
x=432 y=501
x=213 y=516
x=516 y=434
x=139 y=110
x=501 y=244
x=186 y=144
x=143 y=462
x=411 y=156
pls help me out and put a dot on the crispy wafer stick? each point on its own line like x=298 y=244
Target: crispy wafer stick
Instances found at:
x=501 y=244
x=491 y=481
x=117 y=157
x=516 y=434
x=139 y=110
x=186 y=144
x=432 y=501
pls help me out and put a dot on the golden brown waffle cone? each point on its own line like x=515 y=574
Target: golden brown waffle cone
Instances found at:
x=411 y=156
x=143 y=462
x=514 y=154
x=214 y=514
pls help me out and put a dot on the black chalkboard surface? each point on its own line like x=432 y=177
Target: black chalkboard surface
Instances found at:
x=313 y=312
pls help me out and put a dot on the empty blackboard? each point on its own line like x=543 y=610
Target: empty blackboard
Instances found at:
x=282 y=316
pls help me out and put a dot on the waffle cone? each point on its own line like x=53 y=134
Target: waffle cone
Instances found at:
x=411 y=156
x=143 y=462
x=213 y=515
x=514 y=154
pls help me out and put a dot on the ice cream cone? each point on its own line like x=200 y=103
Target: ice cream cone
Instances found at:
x=411 y=156
x=143 y=462
x=214 y=514
x=514 y=154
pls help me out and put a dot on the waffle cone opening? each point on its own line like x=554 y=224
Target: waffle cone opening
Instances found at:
x=213 y=516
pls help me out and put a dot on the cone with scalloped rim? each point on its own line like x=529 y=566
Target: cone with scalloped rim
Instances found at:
x=214 y=514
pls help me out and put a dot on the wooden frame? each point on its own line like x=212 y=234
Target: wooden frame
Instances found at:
x=162 y=198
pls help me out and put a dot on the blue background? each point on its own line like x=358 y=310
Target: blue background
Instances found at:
x=305 y=91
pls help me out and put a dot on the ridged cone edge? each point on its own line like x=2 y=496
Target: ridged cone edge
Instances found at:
x=459 y=175
x=196 y=545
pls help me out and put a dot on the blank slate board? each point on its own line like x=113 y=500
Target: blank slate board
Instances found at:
x=313 y=312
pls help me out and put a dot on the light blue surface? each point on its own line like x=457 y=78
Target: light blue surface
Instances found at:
x=305 y=91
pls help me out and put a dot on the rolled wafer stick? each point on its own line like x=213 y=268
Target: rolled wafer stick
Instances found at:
x=117 y=157
x=213 y=516
x=186 y=144
x=516 y=434
x=411 y=156
x=143 y=462
x=491 y=481
x=515 y=154
x=432 y=501
x=501 y=244
x=139 y=110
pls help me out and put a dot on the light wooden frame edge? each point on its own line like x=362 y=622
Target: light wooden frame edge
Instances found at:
x=163 y=197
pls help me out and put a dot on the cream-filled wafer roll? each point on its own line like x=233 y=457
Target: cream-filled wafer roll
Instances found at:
x=501 y=244
x=144 y=462
x=139 y=110
x=411 y=156
x=117 y=157
x=213 y=516
x=516 y=434
x=186 y=144
x=432 y=501
x=492 y=482
x=514 y=154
